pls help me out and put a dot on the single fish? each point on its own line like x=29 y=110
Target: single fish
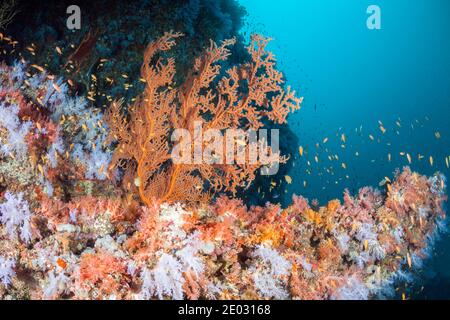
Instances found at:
x=288 y=179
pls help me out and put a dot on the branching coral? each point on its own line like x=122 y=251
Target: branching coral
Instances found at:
x=241 y=98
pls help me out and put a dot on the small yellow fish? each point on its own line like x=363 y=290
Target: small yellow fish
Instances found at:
x=37 y=67
x=437 y=135
x=366 y=245
x=383 y=130
x=300 y=151
x=288 y=179
x=343 y=138
x=446 y=162
x=316 y=158
x=408 y=259
x=344 y=166
x=58 y=49
x=389 y=157
x=41 y=170
x=431 y=160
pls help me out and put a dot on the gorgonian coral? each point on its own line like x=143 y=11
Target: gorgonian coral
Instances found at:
x=238 y=98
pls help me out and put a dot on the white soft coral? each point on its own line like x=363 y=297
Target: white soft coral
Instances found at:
x=165 y=279
x=17 y=131
x=15 y=215
x=269 y=272
x=6 y=270
x=352 y=289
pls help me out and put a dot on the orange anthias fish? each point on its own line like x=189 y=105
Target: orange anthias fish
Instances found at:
x=300 y=151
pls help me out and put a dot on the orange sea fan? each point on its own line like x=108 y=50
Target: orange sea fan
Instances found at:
x=240 y=99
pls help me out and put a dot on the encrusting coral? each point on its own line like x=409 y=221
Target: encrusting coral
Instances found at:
x=67 y=231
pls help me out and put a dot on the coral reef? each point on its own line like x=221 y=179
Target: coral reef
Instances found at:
x=73 y=227
x=355 y=250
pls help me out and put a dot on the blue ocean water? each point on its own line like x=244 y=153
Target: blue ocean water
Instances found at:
x=360 y=82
